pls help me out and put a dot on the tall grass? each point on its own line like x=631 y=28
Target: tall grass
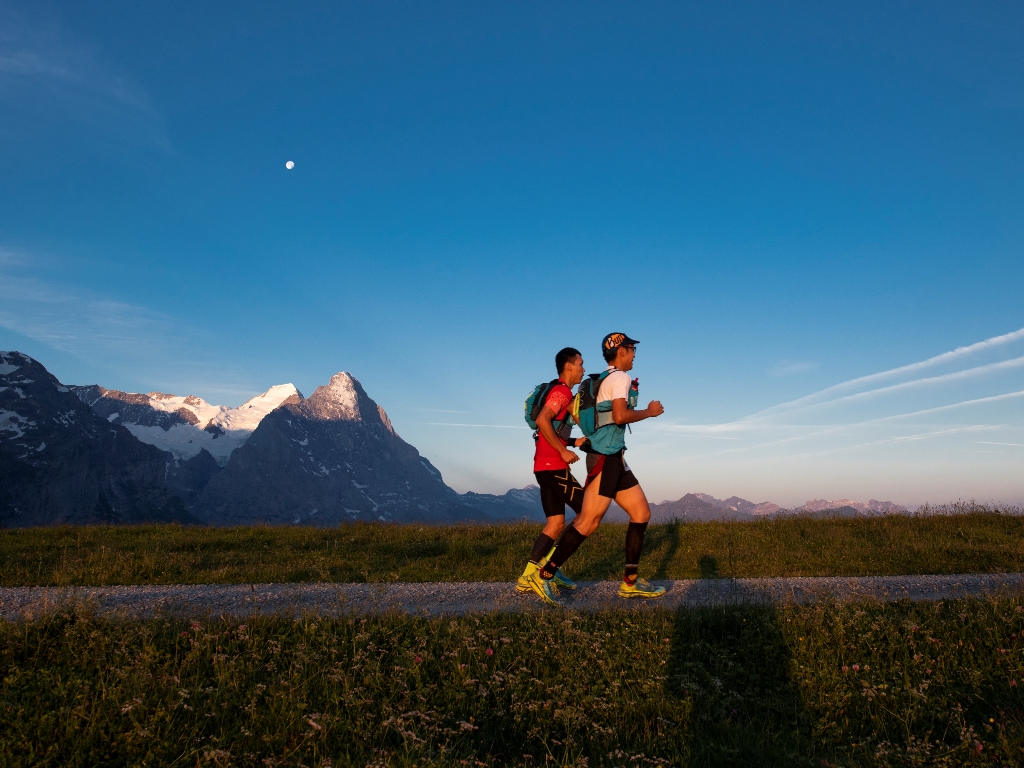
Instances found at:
x=825 y=685
x=891 y=545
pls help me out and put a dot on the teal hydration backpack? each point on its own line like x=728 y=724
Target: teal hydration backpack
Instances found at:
x=585 y=409
x=535 y=404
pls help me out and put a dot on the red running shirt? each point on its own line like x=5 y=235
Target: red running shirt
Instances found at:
x=545 y=457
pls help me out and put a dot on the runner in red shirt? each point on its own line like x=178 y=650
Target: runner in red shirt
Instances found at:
x=551 y=460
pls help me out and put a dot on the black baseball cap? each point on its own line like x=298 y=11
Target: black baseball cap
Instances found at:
x=613 y=340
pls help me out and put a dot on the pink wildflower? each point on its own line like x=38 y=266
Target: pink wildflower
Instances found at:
x=418 y=659
x=856 y=667
x=846 y=668
x=490 y=651
x=1013 y=683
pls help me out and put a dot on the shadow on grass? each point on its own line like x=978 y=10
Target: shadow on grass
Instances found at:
x=708 y=567
x=733 y=665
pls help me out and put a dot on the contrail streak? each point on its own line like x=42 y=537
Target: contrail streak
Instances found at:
x=945 y=357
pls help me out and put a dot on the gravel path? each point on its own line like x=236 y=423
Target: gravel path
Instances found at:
x=444 y=598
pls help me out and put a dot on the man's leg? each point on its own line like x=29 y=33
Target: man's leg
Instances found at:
x=593 y=509
x=634 y=502
x=546 y=540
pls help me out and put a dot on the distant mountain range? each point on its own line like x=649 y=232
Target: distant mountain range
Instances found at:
x=85 y=454
x=704 y=507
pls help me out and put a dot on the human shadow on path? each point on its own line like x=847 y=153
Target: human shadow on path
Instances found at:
x=734 y=666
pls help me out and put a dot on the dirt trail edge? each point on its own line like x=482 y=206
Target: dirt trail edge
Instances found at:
x=433 y=599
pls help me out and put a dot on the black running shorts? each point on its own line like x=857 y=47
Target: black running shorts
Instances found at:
x=615 y=473
x=559 y=488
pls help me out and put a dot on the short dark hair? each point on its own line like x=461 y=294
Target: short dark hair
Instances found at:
x=609 y=354
x=564 y=356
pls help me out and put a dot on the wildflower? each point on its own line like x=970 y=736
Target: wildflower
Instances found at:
x=846 y=668
x=1013 y=683
x=418 y=659
x=978 y=746
x=928 y=671
x=856 y=667
x=490 y=651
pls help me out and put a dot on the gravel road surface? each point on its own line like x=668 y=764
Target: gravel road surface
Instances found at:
x=478 y=597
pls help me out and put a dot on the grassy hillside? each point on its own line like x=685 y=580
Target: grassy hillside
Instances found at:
x=854 y=685
x=98 y=555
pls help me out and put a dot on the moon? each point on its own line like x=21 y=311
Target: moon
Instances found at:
x=289 y=165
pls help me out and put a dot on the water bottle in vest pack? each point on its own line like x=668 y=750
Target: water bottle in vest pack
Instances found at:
x=590 y=415
x=535 y=404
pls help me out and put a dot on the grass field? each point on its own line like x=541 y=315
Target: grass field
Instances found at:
x=853 y=685
x=892 y=545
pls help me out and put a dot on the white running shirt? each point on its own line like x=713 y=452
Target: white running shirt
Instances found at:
x=615 y=386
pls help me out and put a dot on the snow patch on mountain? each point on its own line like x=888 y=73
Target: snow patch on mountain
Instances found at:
x=8 y=367
x=186 y=425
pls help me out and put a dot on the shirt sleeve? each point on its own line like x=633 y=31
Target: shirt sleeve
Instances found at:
x=616 y=386
x=558 y=399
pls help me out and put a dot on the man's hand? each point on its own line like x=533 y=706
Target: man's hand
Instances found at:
x=654 y=408
x=568 y=456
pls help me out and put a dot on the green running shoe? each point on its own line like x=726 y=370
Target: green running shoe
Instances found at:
x=641 y=588
x=544 y=588
x=563 y=581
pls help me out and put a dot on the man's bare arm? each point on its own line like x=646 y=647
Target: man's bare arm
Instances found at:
x=621 y=414
x=548 y=433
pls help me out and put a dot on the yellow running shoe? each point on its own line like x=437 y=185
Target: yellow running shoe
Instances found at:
x=640 y=588
x=543 y=587
x=523 y=585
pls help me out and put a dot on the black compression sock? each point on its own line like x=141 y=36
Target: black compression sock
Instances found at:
x=567 y=544
x=634 y=546
x=541 y=547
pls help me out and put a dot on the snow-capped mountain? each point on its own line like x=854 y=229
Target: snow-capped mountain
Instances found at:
x=62 y=463
x=325 y=459
x=185 y=425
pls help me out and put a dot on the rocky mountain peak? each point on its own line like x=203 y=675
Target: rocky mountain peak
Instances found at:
x=342 y=399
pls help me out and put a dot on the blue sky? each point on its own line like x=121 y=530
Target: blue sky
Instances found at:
x=774 y=200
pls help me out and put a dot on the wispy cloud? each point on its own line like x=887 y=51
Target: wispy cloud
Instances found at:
x=791 y=368
x=838 y=412
x=48 y=72
x=913 y=368
x=163 y=350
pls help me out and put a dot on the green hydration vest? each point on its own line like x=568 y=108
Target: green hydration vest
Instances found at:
x=535 y=404
x=595 y=419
